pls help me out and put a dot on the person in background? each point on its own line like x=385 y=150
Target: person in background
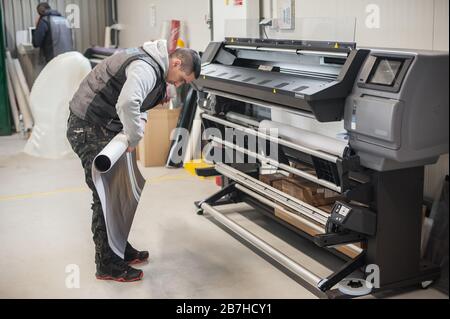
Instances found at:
x=53 y=34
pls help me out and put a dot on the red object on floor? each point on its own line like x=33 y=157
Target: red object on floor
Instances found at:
x=219 y=181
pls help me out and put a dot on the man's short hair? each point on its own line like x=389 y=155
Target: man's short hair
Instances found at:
x=190 y=61
x=43 y=7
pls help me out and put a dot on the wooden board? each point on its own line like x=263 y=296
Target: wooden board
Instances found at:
x=293 y=220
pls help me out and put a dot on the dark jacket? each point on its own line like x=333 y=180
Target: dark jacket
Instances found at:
x=52 y=35
x=96 y=99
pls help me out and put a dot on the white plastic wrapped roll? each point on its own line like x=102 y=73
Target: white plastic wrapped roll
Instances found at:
x=50 y=98
x=307 y=139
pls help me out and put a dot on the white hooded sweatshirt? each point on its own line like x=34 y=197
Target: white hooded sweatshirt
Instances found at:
x=141 y=80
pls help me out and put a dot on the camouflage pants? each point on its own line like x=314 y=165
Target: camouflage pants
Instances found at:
x=88 y=140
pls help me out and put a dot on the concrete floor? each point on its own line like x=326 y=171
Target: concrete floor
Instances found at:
x=45 y=227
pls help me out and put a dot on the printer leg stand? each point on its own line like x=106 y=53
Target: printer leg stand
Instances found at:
x=353 y=265
x=215 y=199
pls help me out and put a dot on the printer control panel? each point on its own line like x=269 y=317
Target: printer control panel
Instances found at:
x=383 y=72
x=340 y=213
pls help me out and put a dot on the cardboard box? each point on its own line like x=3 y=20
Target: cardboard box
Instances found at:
x=278 y=184
x=272 y=179
x=302 y=189
x=309 y=192
x=154 y=147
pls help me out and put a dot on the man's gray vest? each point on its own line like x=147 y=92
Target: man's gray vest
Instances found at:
x=96 y=99
x=61 y=34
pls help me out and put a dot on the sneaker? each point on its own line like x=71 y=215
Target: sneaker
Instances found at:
x=118 y=270
x=133 y=256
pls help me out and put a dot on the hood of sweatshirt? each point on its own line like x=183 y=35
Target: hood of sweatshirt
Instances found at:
x=158 y=50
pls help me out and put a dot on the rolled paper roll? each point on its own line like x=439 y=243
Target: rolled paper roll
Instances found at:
x=242 y=119
x=119 y=185
x=194 y=151
x=108 y=37
x=22 y=100
x=13 y=103
x=306 y=138
x=111 y=154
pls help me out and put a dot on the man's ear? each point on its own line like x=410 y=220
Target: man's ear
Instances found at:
x=176 y=63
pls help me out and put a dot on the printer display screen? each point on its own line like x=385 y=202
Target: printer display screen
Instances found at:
x=386 y=71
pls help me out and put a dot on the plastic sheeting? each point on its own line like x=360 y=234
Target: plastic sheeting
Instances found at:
x=307 y=139
x=119 y=184
x=49 y=100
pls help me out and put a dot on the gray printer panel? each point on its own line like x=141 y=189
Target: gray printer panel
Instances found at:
x=397 y=114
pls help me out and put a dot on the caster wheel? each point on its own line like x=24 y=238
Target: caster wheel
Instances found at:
x=355 y=287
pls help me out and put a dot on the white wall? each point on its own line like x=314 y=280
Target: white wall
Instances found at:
x=135 y=16
x=416 y=24
x=441 y=22
x=236 y=21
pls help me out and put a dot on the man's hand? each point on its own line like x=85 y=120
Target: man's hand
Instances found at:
x=143 y=124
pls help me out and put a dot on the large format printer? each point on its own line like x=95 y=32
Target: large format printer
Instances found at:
x=395 y=106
